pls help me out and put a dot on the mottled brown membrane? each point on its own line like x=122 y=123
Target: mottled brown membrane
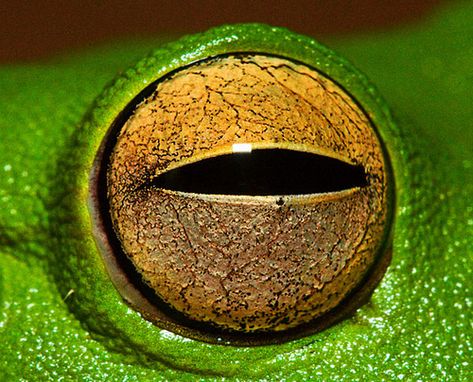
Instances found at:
x=246 y=262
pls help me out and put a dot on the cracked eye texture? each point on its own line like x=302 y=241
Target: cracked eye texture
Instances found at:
x=246 y=262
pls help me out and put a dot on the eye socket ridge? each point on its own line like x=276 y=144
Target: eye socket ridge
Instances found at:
x=313 y=228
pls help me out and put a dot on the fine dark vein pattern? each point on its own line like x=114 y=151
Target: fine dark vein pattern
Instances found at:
x=247 y=263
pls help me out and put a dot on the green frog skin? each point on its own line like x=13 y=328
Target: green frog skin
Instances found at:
x=61 y=319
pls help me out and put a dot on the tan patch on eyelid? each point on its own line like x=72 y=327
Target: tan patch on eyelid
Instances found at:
x=247 y=263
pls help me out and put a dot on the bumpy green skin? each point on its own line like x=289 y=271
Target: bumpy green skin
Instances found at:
x=60 y=317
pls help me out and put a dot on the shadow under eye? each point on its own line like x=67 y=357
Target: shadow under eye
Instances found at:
x=263 y=172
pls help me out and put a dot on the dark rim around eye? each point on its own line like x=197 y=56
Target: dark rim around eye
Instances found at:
x=142 y=298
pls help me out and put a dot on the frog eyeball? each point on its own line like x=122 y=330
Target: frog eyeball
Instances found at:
x=247 y=194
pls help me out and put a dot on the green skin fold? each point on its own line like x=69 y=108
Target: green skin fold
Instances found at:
x=61 y=319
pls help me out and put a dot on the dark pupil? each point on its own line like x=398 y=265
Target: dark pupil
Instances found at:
x=264 y=172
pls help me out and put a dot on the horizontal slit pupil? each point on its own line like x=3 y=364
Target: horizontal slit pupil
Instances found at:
x=263 y=172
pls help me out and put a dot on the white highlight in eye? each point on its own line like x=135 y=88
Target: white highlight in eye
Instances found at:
x=241 y=148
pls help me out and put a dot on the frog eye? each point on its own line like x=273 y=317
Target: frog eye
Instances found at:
x=241 y=196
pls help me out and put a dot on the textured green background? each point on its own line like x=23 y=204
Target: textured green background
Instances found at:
x=418 y=325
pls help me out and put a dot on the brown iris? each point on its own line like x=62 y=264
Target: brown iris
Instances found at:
x=250 y=195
